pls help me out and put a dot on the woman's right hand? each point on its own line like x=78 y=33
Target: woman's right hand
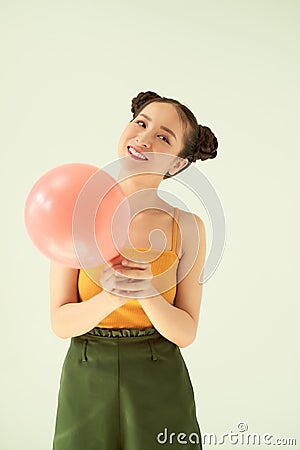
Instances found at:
x=108 y=281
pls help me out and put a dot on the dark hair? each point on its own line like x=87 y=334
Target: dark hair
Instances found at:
x=200 y=142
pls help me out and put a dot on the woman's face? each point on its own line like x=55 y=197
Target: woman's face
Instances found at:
x=152 y=141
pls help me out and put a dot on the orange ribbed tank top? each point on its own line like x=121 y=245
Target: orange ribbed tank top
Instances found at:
x=131 y=314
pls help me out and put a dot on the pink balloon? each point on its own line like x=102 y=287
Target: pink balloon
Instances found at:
x=77 y=215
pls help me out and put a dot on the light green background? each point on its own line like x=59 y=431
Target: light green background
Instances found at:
x=68 y=72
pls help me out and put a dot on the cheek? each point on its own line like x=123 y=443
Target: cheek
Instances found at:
x=127 y=134
x=122 y=140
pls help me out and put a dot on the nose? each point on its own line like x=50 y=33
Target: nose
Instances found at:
x=144 y=139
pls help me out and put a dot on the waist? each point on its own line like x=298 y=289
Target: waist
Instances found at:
x=122 y=332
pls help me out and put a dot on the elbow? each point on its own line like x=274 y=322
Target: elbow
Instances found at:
x=59 y=333
x=188 y=340
x=185 y=344
x=61 y=336
x=57 y=330
x=188 y=334
x=59 y=325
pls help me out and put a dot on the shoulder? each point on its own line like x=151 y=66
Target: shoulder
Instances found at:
x=187 y=216
x=192 y=230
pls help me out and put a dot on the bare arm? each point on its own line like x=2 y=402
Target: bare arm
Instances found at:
x=179 y=323
x=173 y=323
x=68 y=317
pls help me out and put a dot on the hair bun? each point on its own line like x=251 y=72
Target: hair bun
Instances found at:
x=206 y=147
x=142 y=98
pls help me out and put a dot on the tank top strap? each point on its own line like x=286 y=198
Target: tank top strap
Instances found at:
x=175 y=228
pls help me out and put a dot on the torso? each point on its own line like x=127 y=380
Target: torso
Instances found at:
x=153 y=228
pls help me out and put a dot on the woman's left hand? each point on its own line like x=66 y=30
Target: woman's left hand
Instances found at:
x=131 y=279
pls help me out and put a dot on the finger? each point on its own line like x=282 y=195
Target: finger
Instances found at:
x=134 y=264
x=113 y=268
x=106 y=267
x=106 y=277
x=134 y=273
x=107 y=274
x=112 y=274
x=121 y=293
x=131 y=285
x=112 y=278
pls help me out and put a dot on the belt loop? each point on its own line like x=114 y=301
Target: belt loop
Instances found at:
x=153 y=351
x=83 y=353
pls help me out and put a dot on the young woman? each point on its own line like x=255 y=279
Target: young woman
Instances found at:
x=124 y=383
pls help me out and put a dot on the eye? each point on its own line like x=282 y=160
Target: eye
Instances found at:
x=166 y=139
x=140 y=121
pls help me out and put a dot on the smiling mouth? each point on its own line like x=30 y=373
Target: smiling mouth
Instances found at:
x=135 y=154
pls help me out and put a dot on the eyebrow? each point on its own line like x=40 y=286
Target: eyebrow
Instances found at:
x=162 y=127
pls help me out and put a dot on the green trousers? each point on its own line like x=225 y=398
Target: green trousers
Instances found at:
x=126 y=389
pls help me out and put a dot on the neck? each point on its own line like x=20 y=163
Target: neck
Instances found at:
x=141 y=191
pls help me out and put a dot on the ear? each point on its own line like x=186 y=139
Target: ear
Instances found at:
x=179 y=164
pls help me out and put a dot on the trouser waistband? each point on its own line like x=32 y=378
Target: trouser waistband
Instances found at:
x=118 y=336
x=121 y=332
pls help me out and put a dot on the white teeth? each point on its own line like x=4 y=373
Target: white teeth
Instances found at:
x=135 y=153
